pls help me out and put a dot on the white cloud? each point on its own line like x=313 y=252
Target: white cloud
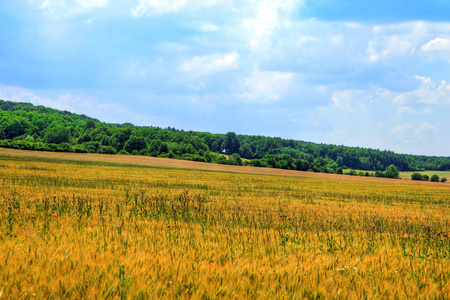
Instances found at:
x=209 y=27
x=77 y=104
x=438 y=44
x=409 y=133
x=427 y=92
x=152 y=7
x=92 y=3
x=266 y=19
x=405 y=110
x=266 y=86
x=62 y=9
x=17 y=94
x=211 y=63
x=392 y=42
x=427 y=111
x=348 y=100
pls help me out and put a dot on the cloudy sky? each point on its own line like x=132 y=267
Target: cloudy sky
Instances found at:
x=363 y=73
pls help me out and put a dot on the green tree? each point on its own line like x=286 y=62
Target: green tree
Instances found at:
x=164 y=148
x=231 y=143
x=425 y=177
x=379 y=174
x=443 y=179
x=90 y=124
x=121 y=136
x=392 y=172
x=246 y=151
x=154 y=147
x=57 y=135
x=135 y=143
x=235 y=159
x=434 y=178
x=340 y=162
x=416 y=176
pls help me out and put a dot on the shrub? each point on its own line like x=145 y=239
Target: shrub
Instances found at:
x=107 y=150
x=425 y=177
x=434 y=178
x=379 y=174
x=443 y=179
x=352 y=172
x=391 y=172
x=416 y=176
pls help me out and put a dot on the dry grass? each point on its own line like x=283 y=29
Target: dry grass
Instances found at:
x=86 y=227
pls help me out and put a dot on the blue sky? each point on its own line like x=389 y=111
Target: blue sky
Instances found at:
x=359 y=73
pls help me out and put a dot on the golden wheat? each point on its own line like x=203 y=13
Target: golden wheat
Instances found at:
x=98 y=230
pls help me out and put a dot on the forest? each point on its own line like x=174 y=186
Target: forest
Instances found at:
x=30 y=127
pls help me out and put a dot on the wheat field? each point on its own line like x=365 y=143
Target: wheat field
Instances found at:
x=103 y=230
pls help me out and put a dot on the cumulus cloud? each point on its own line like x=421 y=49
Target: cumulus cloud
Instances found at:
x=396 y=41
x=211 y=63
x=67 y=8
x=409 y=132
x=17 y=94
x=74 y=103
x=348 y=100
x=266 y=86
x=438 y=44
x=405 y=110
x=92 y=3
x=428 y=93
x=152 y=7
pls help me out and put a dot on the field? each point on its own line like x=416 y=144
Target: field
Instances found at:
x=407 y=175
x=98 y=226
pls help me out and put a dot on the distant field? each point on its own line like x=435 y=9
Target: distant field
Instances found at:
x=146 y=161
x=127 y=227
x=446 y=174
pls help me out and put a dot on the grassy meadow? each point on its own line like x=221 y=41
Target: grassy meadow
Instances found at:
x=94 y=229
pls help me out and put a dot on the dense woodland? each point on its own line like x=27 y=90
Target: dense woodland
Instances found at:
x=25 y=126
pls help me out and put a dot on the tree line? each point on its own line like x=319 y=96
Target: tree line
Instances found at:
x=25 y=126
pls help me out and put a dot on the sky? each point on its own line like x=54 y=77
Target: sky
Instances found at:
x=373 y=74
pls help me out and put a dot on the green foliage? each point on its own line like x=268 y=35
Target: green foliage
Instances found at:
x=135 y=143
x=379 y=174
x=391 y=172
x=425 y=177
x=235 y=159
x=434 y=178
x=352 y=173
x=231 y=143
x=25 y=126
x=416 y=176
x=443 y=179
x=57 y=135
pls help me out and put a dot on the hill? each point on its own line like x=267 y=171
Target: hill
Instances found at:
x=25 y=126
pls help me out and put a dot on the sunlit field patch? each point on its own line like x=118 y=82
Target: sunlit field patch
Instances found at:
x=70 y=229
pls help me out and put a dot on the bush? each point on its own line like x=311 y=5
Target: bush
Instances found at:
x=416 y=176
x=434 y=178
x=352 y=173
x=379 y=174
x=107 y=150
x=392 y=172
x=443 y=179
x=425 y=177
